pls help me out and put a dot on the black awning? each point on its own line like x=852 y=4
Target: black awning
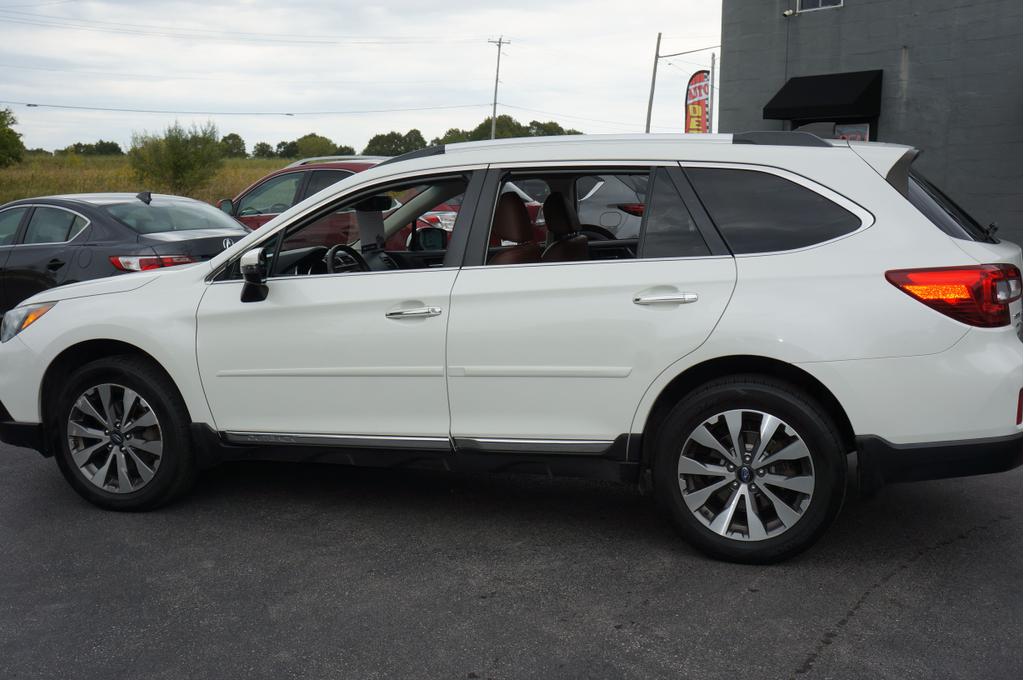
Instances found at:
x=835 y=96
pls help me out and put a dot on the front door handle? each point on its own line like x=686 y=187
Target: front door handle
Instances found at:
x=414 y=313
x=667 y=299
x=54 y=264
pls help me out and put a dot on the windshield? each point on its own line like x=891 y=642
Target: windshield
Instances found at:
x=160 y=216
x=943 y=212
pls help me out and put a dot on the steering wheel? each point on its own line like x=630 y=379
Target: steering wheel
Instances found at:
x=596 y=233
x=359 y=260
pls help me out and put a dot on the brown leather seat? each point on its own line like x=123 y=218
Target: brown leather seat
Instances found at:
x=569 y=244
x=512 y=223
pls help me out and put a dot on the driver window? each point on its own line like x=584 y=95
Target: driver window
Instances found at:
x=273 y=196
x=398 y=226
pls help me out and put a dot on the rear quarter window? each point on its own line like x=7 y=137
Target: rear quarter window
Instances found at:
x=758 y=212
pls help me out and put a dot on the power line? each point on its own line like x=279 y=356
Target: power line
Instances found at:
x=38 y=4
x=630 y=126
x=71 y=23
x=241 y=113
x=164 y=76
x=565 y=115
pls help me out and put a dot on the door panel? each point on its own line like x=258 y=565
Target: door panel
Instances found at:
x=44 y=258
x=10 y=225
x=562 y=351
x=328 y=355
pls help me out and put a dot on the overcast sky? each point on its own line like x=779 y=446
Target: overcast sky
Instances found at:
x=585 y=64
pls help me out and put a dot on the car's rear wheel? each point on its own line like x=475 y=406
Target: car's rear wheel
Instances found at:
x=123 y=435
x=751 y=469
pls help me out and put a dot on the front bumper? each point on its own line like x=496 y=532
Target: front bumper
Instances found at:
x=880 y=461
x=27 y=435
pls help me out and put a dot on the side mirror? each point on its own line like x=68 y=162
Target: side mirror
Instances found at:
x=432 y=238
x=226 y=205
x=375 y=204
x=253 y=265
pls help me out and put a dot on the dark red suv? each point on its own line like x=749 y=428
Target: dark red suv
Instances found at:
x=267 y=198
x=270 y=196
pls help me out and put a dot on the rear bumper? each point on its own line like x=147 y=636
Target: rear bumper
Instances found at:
x=880 y=461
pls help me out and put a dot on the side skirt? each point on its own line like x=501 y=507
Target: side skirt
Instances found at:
x=609 y=461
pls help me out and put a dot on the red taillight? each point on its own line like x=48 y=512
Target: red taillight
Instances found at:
x=634 y=209
x=141 y=263
x=978 y=295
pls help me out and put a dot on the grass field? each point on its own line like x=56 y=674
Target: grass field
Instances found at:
x=46 y=175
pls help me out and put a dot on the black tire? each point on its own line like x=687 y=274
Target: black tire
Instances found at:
x=782 y=400
x=177 y=469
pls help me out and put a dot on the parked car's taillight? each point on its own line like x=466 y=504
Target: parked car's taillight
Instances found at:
x=141 y=263
x=634 y=209
x=978 y=295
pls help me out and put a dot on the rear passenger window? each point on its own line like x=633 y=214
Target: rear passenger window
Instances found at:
x=52 y=225
x=321 y=179
x=669 y=230
x=757 y=212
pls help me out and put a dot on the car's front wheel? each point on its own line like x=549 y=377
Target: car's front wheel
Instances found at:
x=123 y=434
x=751 y=469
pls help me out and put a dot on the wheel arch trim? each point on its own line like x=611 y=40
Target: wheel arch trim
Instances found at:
x=80 y=353
x=671 y=386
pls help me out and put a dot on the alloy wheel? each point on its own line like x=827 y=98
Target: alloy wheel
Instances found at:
x=114 y=438
x=746 y=475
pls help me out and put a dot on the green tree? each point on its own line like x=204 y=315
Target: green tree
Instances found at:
x=550 y=128
x=452 y=136
x=179 y=160
x=314 y=145
x=262 y=150
x=394 y=143
x=38 y=152
x=344 y=150
x=232 y=146
x=287 y=150
x=11 y=147
x=505 y=126
x=100 y=148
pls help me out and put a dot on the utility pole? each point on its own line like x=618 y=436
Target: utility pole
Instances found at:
x=654 y=77
x=497 y=71
x=711 y=96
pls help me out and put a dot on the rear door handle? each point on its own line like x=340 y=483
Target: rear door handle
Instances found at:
x=414 y=313
x=667 y=299
x=54 y=264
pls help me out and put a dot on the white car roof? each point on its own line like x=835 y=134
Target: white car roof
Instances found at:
x=768 y=147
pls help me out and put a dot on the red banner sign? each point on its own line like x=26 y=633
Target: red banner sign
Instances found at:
x=698 y=102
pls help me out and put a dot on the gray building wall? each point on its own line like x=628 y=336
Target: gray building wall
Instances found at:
x=951 y=84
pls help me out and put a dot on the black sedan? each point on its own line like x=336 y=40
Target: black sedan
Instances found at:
x=47 y=242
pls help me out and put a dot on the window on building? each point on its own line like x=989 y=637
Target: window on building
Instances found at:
x=810 y=5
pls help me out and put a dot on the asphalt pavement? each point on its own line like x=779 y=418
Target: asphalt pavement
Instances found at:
x=289 y=571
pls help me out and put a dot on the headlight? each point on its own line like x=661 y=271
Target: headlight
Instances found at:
x=20 y=318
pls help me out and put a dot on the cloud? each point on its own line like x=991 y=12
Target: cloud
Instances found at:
x=587 y=63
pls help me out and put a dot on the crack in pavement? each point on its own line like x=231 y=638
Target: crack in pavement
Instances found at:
x=833 y=631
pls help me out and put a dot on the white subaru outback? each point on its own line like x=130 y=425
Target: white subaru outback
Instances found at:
x=787 y=302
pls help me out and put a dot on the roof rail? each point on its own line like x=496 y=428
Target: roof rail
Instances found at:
x=435 y=150
x=331 y=159
x=779 y=138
